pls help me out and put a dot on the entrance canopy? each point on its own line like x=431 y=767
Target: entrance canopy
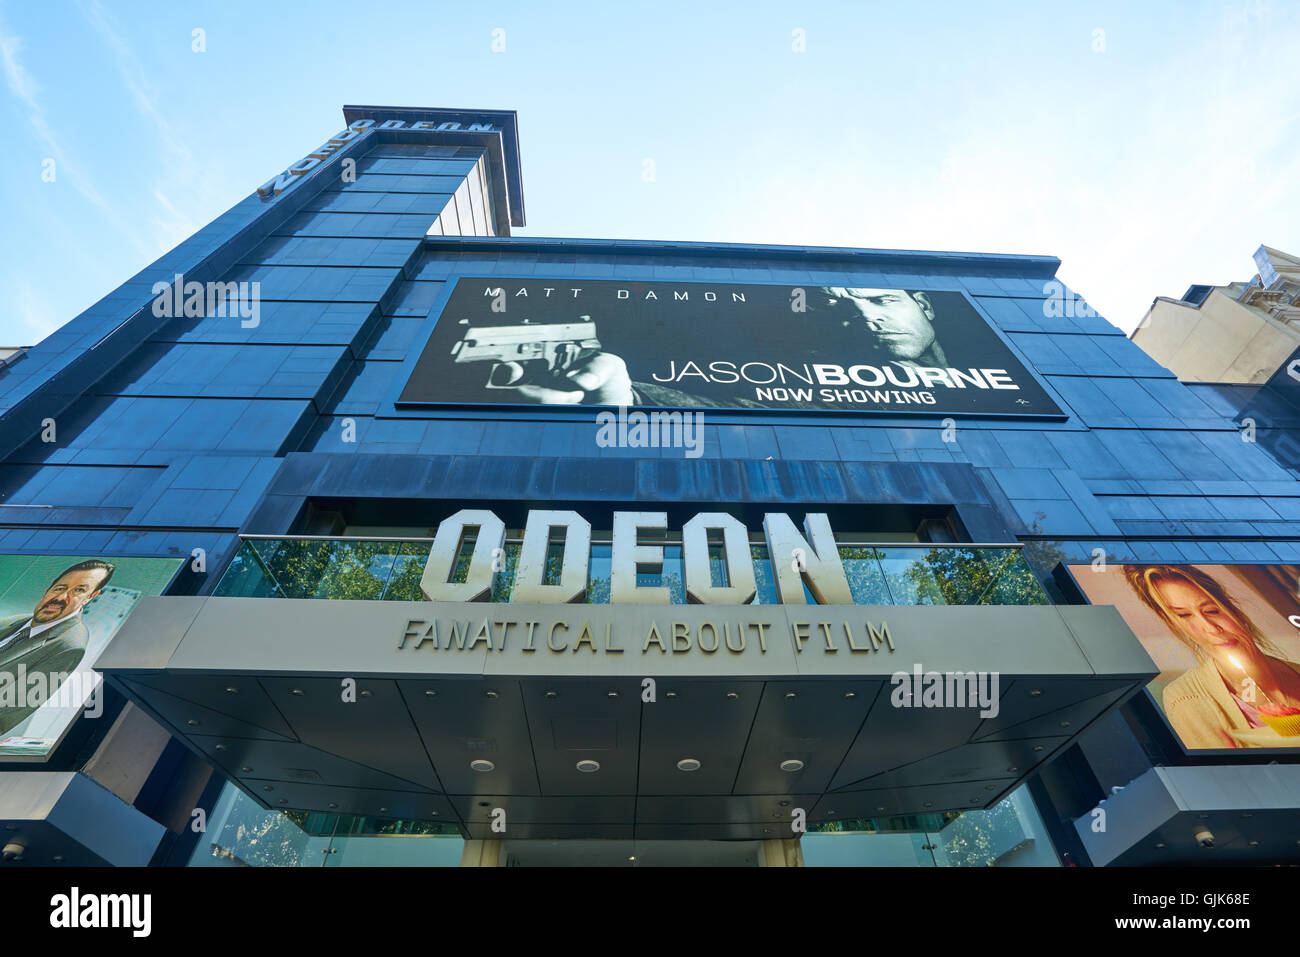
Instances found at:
x=651 y=722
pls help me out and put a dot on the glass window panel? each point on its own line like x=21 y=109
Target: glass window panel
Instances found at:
x=355 y=570
x=718 y=565
x=764 y=577
x=598 y=574
x=246 y=577
x=503 y=586
x=295 y=565
x=391 y=570
x=1014 y=582
x=866 y=576
x=909 y=577
x=408 y=569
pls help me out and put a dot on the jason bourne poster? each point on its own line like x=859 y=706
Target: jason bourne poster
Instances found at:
x=718 y=345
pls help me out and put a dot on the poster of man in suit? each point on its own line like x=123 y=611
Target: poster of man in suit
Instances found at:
x=57 y=613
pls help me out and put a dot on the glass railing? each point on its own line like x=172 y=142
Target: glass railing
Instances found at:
x=390 y=570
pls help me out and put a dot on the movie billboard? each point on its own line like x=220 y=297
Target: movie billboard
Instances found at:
x=1226 y=639
x=57 y=613
x=715 y=345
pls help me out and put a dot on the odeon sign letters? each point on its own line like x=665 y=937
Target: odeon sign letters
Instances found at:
x=810 y=556
x=294 y=174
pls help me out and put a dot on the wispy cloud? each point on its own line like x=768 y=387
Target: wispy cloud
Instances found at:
x=24 y=88
x=174 y=226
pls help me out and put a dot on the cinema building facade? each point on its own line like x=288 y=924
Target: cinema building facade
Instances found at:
x=395 y=539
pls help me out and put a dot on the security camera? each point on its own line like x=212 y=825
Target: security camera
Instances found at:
x=13 y=852
x=1204 y=837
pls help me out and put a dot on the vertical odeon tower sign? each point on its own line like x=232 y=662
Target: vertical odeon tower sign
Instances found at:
x=290 y=177
x=799 y=557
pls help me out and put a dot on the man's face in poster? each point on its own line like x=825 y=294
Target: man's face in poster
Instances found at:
x=68 y=594
x=900 y=322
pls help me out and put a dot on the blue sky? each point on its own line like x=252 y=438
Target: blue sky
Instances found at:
x=1156 y=153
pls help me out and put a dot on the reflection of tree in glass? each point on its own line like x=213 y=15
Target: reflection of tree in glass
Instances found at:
x=598 y=591
x=306 y=568
x=866 y=579
x=973 y=841
x=974 y=576
x=408 y=569
x=257 y=837
x=1042 y=554
x=504 y=583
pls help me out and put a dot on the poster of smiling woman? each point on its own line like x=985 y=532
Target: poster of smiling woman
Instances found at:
x=1226 y=639
x=57 y=614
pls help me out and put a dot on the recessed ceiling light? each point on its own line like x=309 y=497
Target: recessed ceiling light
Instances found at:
x=481 y=765
x=430 y=693
x=587 y=766
x=732 y=695
x=850 y=694
x=783 y=803
x=1065 y=724
x=366 y=693
x=267 y=787
x=688 y=764
x=232 y=690
x=1012 y=770
x=632 y=857
x=671 y=694
x=246 y=769
x=794 y=764
x=611 y=694
x=791 y=694
x=193 y=722
x=551 y=694
x=490 y=694
x=297 y=691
